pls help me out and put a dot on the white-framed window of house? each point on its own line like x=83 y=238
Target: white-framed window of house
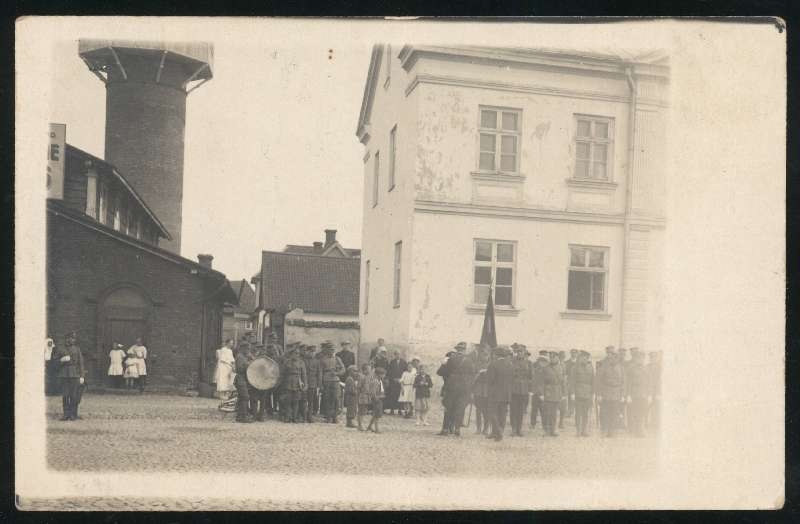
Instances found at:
x=499 y=131
x=366 y=287
x=247 y=324
x=376 y=177
x=588 y=278
x=392 y=155
x=594 y=142
x=117 y=203
x=102 y=200
x=398 y=255
x=494 y=266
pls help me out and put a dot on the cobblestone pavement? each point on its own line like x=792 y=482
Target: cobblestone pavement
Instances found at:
x=188 y=434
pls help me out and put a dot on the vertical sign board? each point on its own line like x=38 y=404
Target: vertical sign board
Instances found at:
x=56 y=158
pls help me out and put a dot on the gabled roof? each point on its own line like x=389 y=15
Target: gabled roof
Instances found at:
x=110 y=169
x=313 y=283
x=310 y=250
x=246 y=295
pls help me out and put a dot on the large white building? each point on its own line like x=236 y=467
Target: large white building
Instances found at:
x=539 y=171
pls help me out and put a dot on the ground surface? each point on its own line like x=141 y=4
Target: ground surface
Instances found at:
x=152 y=432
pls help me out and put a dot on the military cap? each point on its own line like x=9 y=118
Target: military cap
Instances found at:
x=346 y=343
x=544 y=353
x=543 y=356
x=514 y=346
x=461 y=346
x=584 y=353
x=500 y=351
x=326 y=345
x=574 y=351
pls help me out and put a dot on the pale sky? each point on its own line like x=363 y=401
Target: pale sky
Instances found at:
x=271 y=155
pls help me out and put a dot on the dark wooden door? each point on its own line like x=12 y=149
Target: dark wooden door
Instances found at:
x=119 y=331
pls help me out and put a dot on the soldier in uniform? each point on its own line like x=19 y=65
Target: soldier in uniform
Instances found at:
x=243 y=359
x=610 y=391
x=499 y=377
x=580 y=384
x=347 y=357
x=459 y=374
x=654 y=376
x=314 y=381
x=568 y=365
x=520 y=387
x=258 y=397
x=537 y=388
x=554 y=392
x=295 y=381
x=71 y=374
x=637 y=391
x=331 y=369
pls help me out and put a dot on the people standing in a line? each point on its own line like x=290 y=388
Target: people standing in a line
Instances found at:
x=406 y=399
x=654 y=377
x=314 y=381
x=537 y=388
x=364 y=398
x=72 y=374
x=480 y=399
x=296 y=380
x=580 y=385
x=397 y=366
x=351 y=385
x=243 y=359
x=499 y=378
x=377 y=392
x=568 y=365
x=422 y=394
x=346 y=354
x=554 y=393
x=637 y=391
x=139 y=352
x=458 y=372
x=610 y=391
x=225 y=370
x=332 y=370
x=520 y=387
x=374 y=351
x=115 y=368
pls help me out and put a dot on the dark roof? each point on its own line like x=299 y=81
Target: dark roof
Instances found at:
x=104 y=166
x=313 y=283
x=246 y=294
x=56 y=207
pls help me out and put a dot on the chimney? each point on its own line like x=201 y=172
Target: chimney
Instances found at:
x=205 y=260
x=317 y=247
x=330 y=237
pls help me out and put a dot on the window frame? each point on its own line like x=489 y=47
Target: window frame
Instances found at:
x=592 y=141
x=392 y=157
x=498 y=133
x=493 y=264
x=376 y=177
x=605 y=271
x=397 y=273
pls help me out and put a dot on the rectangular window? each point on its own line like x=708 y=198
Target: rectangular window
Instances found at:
x=499 y=136
x=366 y=288
x=392 y=156
x=493 y=267
x=115 y=217
x=398 y=253
x=588 y=269
x=91 y=194
x=376 y=178
x=102 y=201
x=593 y=147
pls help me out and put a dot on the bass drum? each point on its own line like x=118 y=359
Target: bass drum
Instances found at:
x=263 y=373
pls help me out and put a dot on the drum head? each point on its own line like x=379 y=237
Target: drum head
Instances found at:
x=263 y=373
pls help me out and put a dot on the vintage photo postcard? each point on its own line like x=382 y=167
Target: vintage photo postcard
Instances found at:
x=399 y=264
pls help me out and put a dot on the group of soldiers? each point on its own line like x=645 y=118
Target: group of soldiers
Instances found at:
x=310 y=381
x=501 y=383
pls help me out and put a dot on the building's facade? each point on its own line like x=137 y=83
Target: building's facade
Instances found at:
x=309 y=293
x=537 y=174
x=108 y=280
x=237 y=319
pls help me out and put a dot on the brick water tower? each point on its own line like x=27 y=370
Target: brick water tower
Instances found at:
x=146 y=88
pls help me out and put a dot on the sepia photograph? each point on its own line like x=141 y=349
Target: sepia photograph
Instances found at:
x=344 y=265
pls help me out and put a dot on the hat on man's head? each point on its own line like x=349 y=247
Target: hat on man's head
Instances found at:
x=461 y=346
x=573 y=350
x=346 y=343
x=327 y=344
x=544 y=353
x=584 y=353
x=500 y=351
x=514 y=346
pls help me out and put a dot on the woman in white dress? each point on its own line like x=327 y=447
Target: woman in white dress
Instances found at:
x=139 y=353
x=225 y=370
x=115 y=368
x=406 y=398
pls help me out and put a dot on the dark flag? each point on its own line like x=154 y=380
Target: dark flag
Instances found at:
x=489 y=333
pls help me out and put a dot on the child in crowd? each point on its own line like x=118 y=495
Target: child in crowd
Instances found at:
x=363 y=394
x=351 y=394
x=115 y=368
x=131 y=371
x=377 y=392
x=406 y=398
x=422 y=393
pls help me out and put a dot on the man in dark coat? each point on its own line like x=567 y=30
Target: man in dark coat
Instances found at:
x=610 y=392
x=294 y=370
x=347 y=357
x=554 y=392
x=331 y=370
x=499 y=377
x=458 y=373
x=242 y=361
x=637 y=391
x=537 y=388
x=397 y=366
x=568 y=365
x=71 y=374
x=580 y=384
x=520 y=387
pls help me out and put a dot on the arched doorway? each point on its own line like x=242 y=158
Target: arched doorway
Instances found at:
x=123 y=316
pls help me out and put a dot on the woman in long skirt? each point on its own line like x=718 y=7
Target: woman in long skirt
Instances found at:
x=225 y=371
x=115 y=367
